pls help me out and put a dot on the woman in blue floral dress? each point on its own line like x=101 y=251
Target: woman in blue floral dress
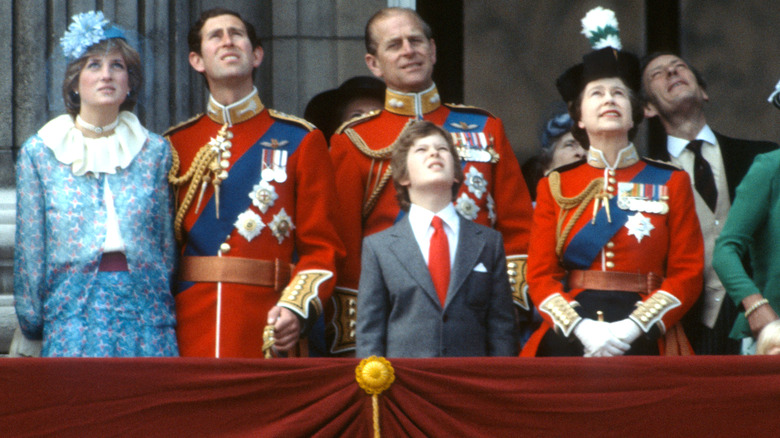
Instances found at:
x=95 y=251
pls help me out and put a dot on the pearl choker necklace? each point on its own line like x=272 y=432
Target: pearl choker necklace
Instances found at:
x=99 y=130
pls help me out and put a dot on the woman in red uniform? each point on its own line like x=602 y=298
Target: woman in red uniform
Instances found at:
x=616 y=253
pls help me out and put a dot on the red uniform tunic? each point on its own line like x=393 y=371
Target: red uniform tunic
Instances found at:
x=286 y=216
x=640 y=237
x=494 y=193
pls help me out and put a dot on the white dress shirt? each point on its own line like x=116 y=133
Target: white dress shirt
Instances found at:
x=420 y=219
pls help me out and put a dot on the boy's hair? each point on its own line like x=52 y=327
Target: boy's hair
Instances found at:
x=415 y=130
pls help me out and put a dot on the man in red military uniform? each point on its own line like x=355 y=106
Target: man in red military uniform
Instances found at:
x=255 y=196
x=402 y=52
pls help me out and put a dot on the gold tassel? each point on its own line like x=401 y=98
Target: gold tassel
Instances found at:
x=375 y=375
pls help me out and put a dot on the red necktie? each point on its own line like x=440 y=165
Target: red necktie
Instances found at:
x=439 y=259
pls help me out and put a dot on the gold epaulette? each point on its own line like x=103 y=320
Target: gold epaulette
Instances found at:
x=302 y=291
x=290 y=118
x=476 y=109
x=515 y=269
x=175 y=128
x=358 y=119
x=650 y=311
x=663 y=164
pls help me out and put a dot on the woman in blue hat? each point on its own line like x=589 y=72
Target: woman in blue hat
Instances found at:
x=94 y=248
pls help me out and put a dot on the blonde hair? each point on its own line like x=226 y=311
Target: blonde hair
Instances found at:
x=769 y=337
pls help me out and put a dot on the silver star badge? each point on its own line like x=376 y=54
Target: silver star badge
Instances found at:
x=639 y=226
x=467 y=207
x=249 y=225
x=476 y=182
x=263 y=195
x=281 y=225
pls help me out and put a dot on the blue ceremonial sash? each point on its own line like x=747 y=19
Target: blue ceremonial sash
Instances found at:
x=208 y=232
x=588 y=242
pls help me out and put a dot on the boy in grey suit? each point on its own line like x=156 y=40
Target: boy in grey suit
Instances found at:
x=399 y=312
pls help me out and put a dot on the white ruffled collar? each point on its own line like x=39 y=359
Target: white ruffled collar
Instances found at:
x=97 y=155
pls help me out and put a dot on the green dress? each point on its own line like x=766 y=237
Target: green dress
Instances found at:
x=752 y=230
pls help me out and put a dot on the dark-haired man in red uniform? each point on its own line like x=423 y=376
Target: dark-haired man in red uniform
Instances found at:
x=256 y=207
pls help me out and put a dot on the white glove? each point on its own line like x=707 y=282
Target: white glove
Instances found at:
x=598 y=340
x=625 y=330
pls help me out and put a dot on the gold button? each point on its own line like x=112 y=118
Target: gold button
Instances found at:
x=612 y=180
x=611 y=172
x=225 y=247
x=610 y=254
x=512 y=273
x=610 y=244
x=512 y=281
x=511 y=265
x=610 y=189
x=610 y=265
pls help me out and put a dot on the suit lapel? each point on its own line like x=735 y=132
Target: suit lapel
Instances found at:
x=406 y=249
x=736 y=161
x=470 y=244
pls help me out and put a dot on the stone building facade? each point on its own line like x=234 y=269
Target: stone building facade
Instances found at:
x=502 y=55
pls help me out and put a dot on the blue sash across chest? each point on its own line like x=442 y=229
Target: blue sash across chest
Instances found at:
x=208 y=232
x=590 y=239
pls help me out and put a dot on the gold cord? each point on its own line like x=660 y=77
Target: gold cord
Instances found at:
x=372 y=200
x=377 y=158
x=580 y=201
x=195 y=174
x=357 y=140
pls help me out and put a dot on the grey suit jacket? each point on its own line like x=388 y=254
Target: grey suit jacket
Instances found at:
x=399 y=313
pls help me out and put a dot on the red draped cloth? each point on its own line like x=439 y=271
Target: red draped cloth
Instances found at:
x=495 y=397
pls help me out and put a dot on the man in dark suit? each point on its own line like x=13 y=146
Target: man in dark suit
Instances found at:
x=410 y=302
x=676 y=93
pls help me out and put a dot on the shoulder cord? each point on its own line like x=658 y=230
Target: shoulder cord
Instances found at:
x=580 y=201
x=380 y=181
x=198 y=169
